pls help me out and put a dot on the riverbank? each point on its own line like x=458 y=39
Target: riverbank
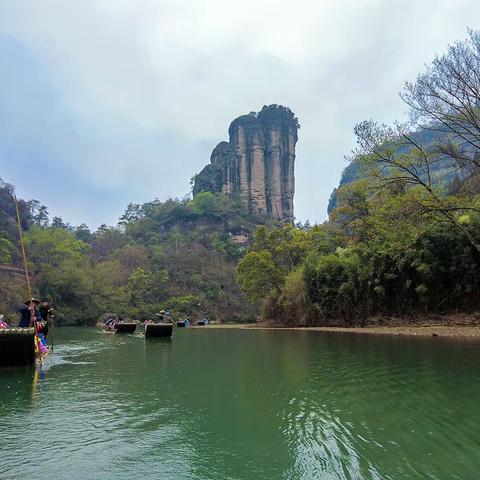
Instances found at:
x=460 y=326
x=417 y=331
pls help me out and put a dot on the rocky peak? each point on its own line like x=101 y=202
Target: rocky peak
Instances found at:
x=257 y=163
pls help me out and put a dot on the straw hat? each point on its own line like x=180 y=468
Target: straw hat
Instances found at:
x=34 y=300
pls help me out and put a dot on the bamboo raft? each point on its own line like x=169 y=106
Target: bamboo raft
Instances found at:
x=183 y=323
x=17 y=347
x=125 y=327
x=158 y=329
x=202 y=323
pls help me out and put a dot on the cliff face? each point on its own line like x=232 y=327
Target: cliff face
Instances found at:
x=257 y=163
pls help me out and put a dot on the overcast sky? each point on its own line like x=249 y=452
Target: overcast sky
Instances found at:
x=108 y=102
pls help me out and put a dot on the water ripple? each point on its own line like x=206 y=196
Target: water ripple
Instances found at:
x=241 y=405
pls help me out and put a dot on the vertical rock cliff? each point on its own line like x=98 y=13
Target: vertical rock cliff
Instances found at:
x=257 y=163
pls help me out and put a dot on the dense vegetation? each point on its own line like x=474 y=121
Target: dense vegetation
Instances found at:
x=404 y=231
x=179 y=255
x=403 y=237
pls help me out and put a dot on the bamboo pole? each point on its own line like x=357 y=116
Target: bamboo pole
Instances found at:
x=25 y=266
x=24 y=257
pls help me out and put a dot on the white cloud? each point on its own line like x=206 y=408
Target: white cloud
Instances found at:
x=142 y=89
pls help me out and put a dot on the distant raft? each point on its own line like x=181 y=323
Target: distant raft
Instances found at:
x=17 y=347
x=183 y=323
x=202 y=323
x=158 y=329
x=125 y=327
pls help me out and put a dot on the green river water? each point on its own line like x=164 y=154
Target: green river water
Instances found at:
x=243 y=404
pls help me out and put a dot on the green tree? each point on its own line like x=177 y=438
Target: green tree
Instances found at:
x=396 y=161
x=204 y=203
x=258 y=275
x=51 y=246
x=139 y=287
x=83 y=233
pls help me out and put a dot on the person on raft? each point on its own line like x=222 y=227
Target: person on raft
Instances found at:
x=42 y=344
x=110 y=325
x=165 y=316
x=46 y=310
x=28 y=312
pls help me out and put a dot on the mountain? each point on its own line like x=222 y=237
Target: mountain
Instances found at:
x=257 y=163
x=443 y=169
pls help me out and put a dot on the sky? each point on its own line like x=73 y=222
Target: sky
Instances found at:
x=108 y=102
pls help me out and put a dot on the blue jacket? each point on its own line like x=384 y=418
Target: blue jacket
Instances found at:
x=26 y=316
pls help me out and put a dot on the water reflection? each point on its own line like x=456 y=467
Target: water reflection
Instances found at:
x=241 y=405
x=36 y=379
x=380 y=408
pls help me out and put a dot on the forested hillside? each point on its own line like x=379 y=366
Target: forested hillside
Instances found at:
x=179 y=255
x=403 y=238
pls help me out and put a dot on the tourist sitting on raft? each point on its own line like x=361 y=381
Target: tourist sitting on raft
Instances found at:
x=110 y=325
x=42 y=341
x=3 y=324
x=29 y=312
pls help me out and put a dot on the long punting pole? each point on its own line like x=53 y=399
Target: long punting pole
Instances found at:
x=25 y=266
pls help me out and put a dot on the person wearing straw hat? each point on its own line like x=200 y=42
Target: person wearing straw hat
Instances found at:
x=29 y=311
